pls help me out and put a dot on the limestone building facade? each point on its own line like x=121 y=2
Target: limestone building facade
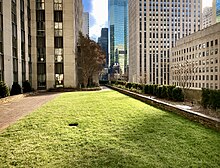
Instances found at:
x=195 y=60
x=40 y=42
x=154 y=27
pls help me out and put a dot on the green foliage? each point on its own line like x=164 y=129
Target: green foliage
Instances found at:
x=4 y=91
x=16 y=89
x=26 y=87
x=215 y=99
x=146 y=89
x=122 y=133
x=205 y=97
x=164 y=92
x=151 y=89
x=210 y=98
x=155 y=90
x=159 y=91
x=178 y=94
x=128 y=85
x=170 y=91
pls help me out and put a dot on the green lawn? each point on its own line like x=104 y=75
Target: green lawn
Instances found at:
x=114 y=131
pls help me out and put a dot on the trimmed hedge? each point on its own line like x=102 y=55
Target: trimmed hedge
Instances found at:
x=178 y=94
x=4 y=91
x=16 y=89
x=26 y=87
x=161 y=91
x=210 y=98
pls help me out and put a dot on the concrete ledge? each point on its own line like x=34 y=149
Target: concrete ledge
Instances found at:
x=194 y=116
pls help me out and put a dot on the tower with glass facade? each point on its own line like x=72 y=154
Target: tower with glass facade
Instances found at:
x=103 y=42
x=216 y=11
x=154 y=27
x=118 y=35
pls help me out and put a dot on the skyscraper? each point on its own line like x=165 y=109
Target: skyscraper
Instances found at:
x=154 y=27
x=15 y=41
x=103 y=42
x=118 y=30
x=85 y=24
x=207 y=15
x=216 y=11
x=57 y=24
x=38 y=42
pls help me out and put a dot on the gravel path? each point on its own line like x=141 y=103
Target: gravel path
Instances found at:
x=17 y=108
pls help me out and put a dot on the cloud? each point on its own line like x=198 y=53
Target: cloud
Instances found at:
x=206 y=3
x=99 y=17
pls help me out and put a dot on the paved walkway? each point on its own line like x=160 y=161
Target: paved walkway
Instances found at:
x=19 y=107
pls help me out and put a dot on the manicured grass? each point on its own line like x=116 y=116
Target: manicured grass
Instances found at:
x=113 y=131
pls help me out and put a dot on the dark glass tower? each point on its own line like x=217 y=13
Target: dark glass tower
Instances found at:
x=103 y=42
x=118 y=35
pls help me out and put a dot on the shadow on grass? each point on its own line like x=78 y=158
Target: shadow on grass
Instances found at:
x=165 y=141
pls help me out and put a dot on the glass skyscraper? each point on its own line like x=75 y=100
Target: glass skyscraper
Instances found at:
x=118 y=35
x=217 y=10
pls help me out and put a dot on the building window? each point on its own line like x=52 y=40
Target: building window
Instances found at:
x=58 y=4
x=58 y=29
x=40 y=4
x=58 y=16
x=58 y=42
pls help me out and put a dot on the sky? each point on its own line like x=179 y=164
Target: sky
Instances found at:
x=98 y=10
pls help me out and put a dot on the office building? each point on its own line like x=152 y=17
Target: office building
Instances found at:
x=103 y=42
x=118 y=38
x=207 y=15
x=39 y=42
x=15 y=41
x=154 y=27
x=55 y=25
x=85 y=24
x=195 y=61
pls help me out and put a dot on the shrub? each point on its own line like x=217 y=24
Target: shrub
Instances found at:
x=103 y=82
x=16 y=89
x=214 y=99
x=140 y=87
x=159 y=91
x=135 y=85
x=128 y=85
x=170 y=92
x=155 y=90
x=26 y=87
x=205 y=97
x=151 y=89
x=4 y=91
x=121 y=83
x=146 y=89
x=178 y=94
x=164 y=92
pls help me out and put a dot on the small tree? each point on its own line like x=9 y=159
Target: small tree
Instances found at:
x=184 y=72
x=91 y=59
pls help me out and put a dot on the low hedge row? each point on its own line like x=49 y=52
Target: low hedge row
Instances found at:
x=4 y=91
x=161 y=91
x=210 y=98
x=15 y=89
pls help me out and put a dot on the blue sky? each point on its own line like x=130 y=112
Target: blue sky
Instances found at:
x=98 y=10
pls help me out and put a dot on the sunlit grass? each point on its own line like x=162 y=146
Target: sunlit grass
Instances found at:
x=113 y=131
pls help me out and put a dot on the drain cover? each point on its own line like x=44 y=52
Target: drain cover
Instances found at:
x=73 y=124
